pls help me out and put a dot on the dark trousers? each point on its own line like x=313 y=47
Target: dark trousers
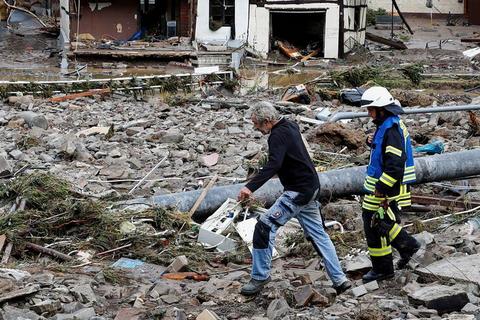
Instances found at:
x=381 y=240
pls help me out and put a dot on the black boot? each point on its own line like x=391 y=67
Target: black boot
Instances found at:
x=372 y=276
x=344 y=286
x=254 y=286
x=405 y=257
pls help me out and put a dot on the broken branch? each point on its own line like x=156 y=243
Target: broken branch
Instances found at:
x=48 y=251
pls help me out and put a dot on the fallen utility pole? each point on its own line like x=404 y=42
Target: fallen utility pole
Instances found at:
x=353 y=115
x=335 y=183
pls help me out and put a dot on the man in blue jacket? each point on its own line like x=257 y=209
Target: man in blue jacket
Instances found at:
x=288 y=158
x=390 y=172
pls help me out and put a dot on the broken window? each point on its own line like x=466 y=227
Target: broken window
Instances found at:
x=222 y=13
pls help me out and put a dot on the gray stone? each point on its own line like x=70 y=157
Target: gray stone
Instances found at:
x=471 y=308
x=12 y=313
x=390 y=304
x=49 y=306
x=359 y=264
x=371 y=286
x=277 y=309
x=337 y=310
x=34 y=119
x=425 y=237
x=133 y=131
x=83 y=314
x=72 y=307
x=170 y=298
x=84 y=293
x=234 y=130
x=457 y=316
x=5 y=168
x=439 y=297
x=171 y=136
x=17 y=154
x=467 y=268
x=359 y=291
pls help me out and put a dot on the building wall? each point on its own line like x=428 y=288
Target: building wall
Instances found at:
x=119 y=21
x=203 y=32
x=259 y=26
x=414 y=6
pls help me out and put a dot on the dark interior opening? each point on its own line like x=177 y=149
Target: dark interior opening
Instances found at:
x=304 y=30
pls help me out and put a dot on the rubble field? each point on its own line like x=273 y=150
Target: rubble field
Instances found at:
x=71 y=249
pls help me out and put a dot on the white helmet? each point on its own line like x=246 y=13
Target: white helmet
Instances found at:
x=377 y=97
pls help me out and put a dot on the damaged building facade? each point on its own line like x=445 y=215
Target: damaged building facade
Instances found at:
x=327 y=28
x=334 y=27
x=129 y=20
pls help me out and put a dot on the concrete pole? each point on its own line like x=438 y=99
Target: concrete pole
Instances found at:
x=65 y=21
x=335 y=183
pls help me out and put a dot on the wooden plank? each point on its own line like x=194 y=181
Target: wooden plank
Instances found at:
x=2 y=241
x=203 y=195
x=394 y=44
x=6 y=254
x=72 y=96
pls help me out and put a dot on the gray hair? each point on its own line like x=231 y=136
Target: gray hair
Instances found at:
x=264 y=111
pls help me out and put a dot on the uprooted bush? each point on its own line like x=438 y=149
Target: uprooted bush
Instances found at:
x=55 y=213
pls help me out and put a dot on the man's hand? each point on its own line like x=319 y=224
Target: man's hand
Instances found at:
x=370 y=138
x=244 y=194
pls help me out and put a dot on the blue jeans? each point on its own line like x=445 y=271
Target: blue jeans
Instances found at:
x=309 y=218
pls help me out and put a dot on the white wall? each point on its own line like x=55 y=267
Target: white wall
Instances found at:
x=259 y=30
x=418 y=6
x=202 y=29
x=259 y=26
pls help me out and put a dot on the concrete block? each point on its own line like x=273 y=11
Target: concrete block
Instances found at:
x=207 y=315
x=439 y=297
x=178 y=264
x=359 y=291
x=371 y=286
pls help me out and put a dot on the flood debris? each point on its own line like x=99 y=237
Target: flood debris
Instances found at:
x=84 y=159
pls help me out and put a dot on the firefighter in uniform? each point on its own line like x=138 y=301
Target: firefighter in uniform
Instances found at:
x=390 y=172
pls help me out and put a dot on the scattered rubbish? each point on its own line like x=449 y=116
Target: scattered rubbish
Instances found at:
x=289 y=50
x=213 y=232
x=352 y=96
x=178 y=264
x=186 y=276
x=471 y=53
x=297 y=94
x=435 y=147
x=73 y=96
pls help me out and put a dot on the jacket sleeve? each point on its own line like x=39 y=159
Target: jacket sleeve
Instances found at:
x=277 y=148
x=394 y=157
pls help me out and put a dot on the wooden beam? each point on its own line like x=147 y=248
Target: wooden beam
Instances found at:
x=394 y=44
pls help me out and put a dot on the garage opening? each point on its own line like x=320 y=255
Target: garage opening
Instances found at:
x=303 y=30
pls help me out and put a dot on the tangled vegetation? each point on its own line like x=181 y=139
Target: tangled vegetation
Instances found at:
x=54 y=213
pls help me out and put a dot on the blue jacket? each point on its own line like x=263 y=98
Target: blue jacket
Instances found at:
x=375 y=169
